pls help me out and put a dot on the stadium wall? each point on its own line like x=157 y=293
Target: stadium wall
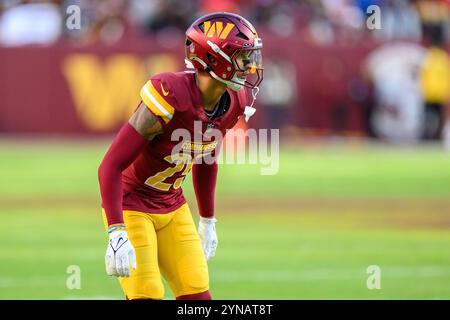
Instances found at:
x=67 y=89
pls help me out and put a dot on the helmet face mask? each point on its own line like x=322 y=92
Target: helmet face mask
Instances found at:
x=233 y=44
x=248 y=65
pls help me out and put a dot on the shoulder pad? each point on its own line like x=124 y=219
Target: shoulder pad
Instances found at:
x=162 y=93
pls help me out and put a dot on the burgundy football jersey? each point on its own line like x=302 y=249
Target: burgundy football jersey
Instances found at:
x=152 y=183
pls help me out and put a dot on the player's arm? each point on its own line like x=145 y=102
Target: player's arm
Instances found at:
x=132 y=138
x=204 y=178
x=145 y=122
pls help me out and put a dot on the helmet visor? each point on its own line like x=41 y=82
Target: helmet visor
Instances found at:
x=248 y=60
x=249 y=70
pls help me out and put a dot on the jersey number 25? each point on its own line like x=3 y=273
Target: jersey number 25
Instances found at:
x=181 y=163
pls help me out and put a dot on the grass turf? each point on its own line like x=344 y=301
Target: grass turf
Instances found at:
x=264 y=252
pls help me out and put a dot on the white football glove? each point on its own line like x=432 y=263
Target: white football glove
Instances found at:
x=208 y=236
x=119 y=254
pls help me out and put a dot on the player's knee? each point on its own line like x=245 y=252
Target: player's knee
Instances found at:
x=146 y=289
x=196 y=281
x=199 y=279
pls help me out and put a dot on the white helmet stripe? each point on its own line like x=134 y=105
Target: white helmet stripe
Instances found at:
x=216 y=48
x=188 y=64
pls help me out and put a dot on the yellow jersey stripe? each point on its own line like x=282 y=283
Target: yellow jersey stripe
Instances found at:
x=156 y=103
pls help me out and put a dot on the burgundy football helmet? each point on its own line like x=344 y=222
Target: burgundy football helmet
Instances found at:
x=226 y=46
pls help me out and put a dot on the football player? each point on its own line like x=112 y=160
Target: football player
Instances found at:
x=151 y=230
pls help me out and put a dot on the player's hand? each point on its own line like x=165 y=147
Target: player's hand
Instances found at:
x=119 y=254
x=208 y=236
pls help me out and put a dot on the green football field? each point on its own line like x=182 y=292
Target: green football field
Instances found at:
x=309 y=232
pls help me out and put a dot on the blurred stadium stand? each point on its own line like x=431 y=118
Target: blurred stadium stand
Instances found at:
x=326 y=72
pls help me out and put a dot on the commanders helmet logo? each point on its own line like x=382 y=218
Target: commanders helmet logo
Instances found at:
x=216 y=28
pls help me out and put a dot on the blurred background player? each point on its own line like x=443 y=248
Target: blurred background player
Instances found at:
x=149 y=222
x=435 y=71
x=399 y=111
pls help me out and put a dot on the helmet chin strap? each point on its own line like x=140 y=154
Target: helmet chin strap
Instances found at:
x=232 y=85
x=250 y=110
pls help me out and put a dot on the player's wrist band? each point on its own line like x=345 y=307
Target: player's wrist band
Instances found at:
x=208 y=220
x=116 y=227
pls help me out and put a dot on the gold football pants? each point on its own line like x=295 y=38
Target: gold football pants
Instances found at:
x=168 y=245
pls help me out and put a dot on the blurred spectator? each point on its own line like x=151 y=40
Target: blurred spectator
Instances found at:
x=395 y=69
x=172 y=14
x=102 y=21
x=435 y=83
x=435 y=74
x=322 y=22
x=400 y=20
x=435 y=17
x=30 y=22
x=278 y=15
x=344 y=14
x=207 y=6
